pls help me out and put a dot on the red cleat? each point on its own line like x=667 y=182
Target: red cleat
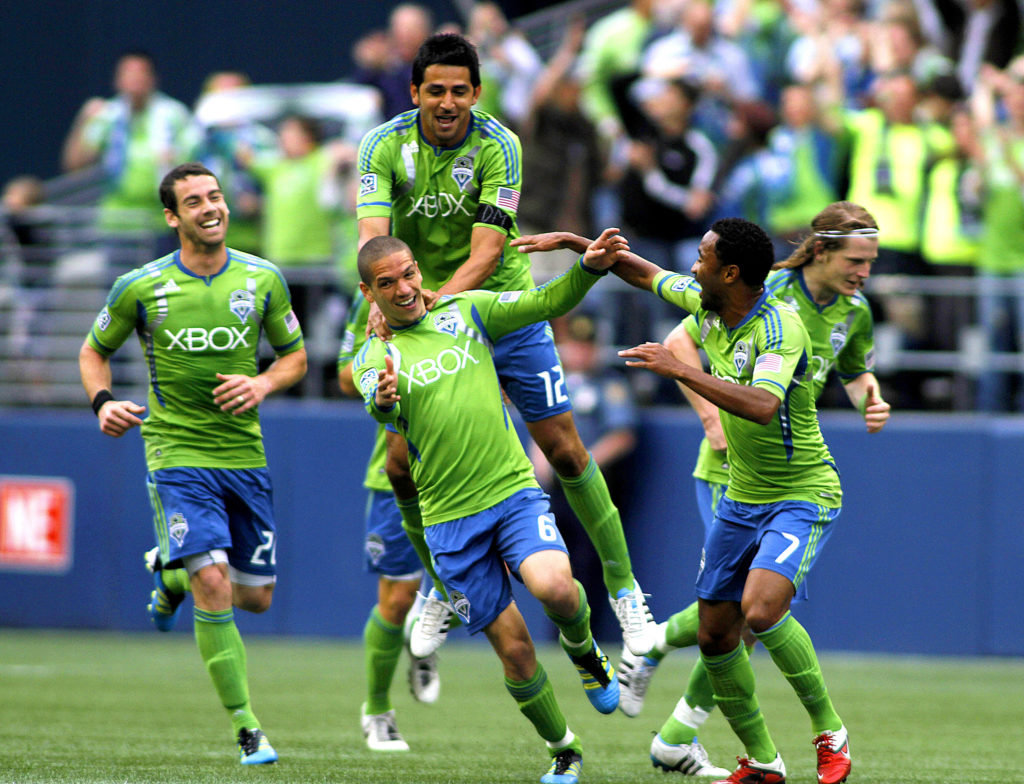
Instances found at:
x=751 y=772
x=833 y=756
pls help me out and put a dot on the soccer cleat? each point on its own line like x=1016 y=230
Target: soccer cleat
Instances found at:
x=424 y=682
x=833 y=756
x=566 y=767
x=635 y=618
x=254 y=748
x=430 y=629
x=690 y=759
x=599 y=681
x=164 y=603
x=635 y=673
x=751 y=772
x=381 y=732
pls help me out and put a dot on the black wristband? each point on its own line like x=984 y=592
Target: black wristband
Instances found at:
x=101 y=397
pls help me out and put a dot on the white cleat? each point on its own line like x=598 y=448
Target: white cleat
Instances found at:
x=690 y=759
x=381 y=732
x=634 y=673
x=638 y=627
x=424 y=681
x=430 y=629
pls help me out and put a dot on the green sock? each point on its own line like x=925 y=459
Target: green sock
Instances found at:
x=536 y=700
x=793 y=653
x=575 y=634
x=222 y=650
x=382 y=645
x=588 y=496
x=176 y=580
x=732 y=678
x=412 y=522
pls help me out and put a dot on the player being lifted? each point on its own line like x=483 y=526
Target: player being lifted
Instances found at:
x=445 y=179
x=199 y=313
x=483 y=512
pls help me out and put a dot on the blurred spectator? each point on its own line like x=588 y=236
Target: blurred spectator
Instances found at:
x=973 y=32
x=748 y=172
x=898 y=45
x=218 y=151
x=834 y=42
x=1001 y=256
x=765 y=31
x=607 y=420
x=715 y=64
x=562 y=157
x=137 y=136
x=509 y=65
x=308 y=212
x=22 y=270
x=384 y=59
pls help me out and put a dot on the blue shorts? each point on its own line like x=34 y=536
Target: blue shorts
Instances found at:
x=388 y=550
x=708 y=496
x=196 y=510
x=784 y=537
x=531 y=373
x=470 y=553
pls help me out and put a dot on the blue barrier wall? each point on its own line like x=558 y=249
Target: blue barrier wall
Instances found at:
x=925 y=559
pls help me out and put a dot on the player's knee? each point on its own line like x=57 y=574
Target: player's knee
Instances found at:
x=254 y=599
x=558 y=592
x=394 y=604
x=762 y=615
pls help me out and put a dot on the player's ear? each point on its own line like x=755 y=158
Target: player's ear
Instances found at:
x=366 y=292
x=171 y=218
x=414 y=93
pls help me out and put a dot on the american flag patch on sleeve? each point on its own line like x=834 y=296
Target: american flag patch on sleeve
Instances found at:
x=508 y=199
x=771 y=363
x=291 y=321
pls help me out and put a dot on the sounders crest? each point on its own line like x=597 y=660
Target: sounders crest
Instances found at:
x=242 y=303
x=462 y=171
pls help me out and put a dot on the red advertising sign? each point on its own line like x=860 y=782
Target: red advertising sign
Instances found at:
x=35 y=523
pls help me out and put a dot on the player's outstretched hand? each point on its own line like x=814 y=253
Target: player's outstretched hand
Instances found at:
x=552 y=240
x=117 y=417
x=606 y=250
x=387 y=386
x=655 y=357
x=238 y=393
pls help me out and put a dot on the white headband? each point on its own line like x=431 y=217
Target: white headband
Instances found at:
x=865 y=232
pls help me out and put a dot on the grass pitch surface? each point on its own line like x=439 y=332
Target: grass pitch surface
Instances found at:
x=106 y=708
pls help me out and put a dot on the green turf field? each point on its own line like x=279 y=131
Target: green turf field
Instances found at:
x=114 y=708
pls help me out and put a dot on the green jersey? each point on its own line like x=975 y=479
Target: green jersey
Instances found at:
x=712 y=464
x=435 y=196
x=353 y=340
x=464 y=453
x=787 y=459
x=842 y=332
x=192 y=327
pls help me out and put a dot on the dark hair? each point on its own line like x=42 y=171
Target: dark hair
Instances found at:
x=192 y=169
x=839 y=216
x=309 y=125
x=374 y=249
x=446 y=49
x=137 y=54
x=746 y=245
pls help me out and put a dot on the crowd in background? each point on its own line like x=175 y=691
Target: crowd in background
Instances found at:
x=658 y=117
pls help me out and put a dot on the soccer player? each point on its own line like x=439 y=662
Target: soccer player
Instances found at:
x=446 y=179
x=199 y=312
x=783 y=493
x=435 y=383
x=392 y=556
x=822 y=280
